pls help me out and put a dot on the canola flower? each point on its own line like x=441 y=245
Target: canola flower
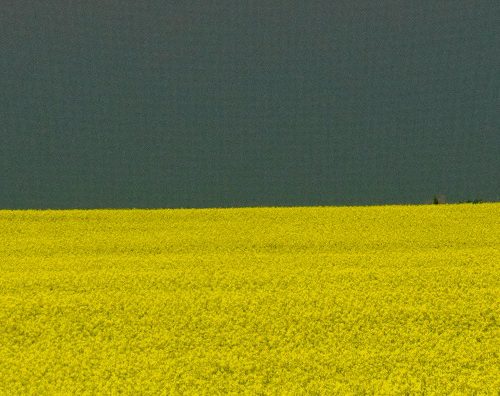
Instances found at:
x=307 y=300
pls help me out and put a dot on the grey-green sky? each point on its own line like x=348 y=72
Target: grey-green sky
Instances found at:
x=248 y=103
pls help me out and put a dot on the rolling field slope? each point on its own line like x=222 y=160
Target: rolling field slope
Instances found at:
x=346 y=300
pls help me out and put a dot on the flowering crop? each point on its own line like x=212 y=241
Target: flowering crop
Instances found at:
x=323 y=300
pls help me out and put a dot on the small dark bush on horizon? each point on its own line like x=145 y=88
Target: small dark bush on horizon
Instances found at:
x=441 y=199
x=475 y=201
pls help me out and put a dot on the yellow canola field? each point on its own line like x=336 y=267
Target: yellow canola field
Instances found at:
x=307 y=300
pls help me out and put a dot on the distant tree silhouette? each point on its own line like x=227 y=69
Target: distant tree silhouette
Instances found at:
x=473 y=201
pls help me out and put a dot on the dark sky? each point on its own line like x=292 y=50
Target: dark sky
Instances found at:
x=248 y=103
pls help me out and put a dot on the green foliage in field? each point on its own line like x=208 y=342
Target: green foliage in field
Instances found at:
x=386 y=300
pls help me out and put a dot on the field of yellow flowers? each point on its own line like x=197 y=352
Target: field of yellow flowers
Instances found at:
x=305 y=300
